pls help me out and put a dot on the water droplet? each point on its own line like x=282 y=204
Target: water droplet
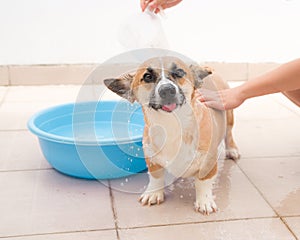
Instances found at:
x=126 y=179
x=121 y=184
x=171 y=187
x=181 y=196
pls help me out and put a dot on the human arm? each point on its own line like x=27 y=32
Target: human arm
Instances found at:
x=285 y=78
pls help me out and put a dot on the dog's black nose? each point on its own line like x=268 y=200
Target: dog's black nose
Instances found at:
x=167 y=91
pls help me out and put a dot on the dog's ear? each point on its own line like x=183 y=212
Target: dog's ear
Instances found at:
x=199 y=74
x=121 y=86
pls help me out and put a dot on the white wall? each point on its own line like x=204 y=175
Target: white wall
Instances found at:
x=84 y=31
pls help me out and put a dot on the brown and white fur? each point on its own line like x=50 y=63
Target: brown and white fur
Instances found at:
x=181 y=134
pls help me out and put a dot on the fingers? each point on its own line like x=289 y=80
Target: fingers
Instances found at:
x=155 y=5
x=215 y=105
x=170 y=3
x=152 y=5
x=207 y=95
x=144 y=4
x=210 y=98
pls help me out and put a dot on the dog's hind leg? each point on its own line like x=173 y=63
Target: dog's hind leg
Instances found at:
x=154 y=193
x=230 y=145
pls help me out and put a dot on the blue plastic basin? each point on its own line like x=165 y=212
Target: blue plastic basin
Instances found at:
x=92 y=140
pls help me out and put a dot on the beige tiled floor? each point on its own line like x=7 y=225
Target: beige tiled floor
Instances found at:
x=258 y=196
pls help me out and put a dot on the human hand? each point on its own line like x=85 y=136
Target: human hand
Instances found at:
x=222 y=100
x=156 y=5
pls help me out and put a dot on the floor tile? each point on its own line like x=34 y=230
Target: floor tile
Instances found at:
x=58 y=93
x=96 y=92
x=22 y=102
x=261 y=108
x=15 y=115
x=44 y=201
x=49 y=74
x=294 y=225
x=262 y=229
x=268 y=138
x=20 y=151
x=94 y=235
x=284 y=101
x=279 y=181
x=3 y=91
x=235 y=197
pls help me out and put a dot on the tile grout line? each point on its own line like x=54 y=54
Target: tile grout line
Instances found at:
x=9 y=75
x=4 y=96
x=112 y=201
x=26 y=170
x=288 y=227
x=261 y=194
x=57 y=233
x=14 y=130
x=278 y=156
x=200 y=222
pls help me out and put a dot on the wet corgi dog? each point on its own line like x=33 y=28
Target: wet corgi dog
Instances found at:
x=181 y=135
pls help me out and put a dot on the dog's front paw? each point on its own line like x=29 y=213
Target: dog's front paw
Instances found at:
x=206 y=205
x=232 y=153
x=150 y=198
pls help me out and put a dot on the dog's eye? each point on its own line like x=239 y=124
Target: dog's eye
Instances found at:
x=148 y=78
x=178 y=73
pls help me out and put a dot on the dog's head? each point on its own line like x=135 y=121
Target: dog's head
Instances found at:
x=163 y=83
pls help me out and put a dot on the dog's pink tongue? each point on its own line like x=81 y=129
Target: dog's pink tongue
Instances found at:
x=169 y=107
